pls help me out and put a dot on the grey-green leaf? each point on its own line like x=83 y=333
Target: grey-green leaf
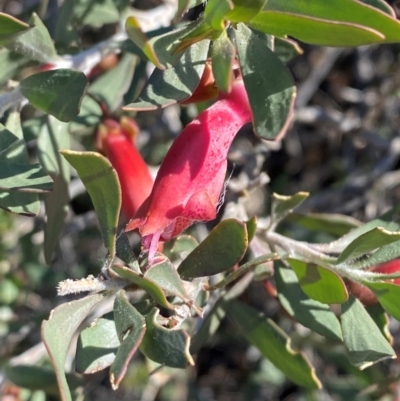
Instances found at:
x=110 y=87
x=23 y=177
x=332 y=223
x=35 y=43
x=13 y=149
x=271 y=90
x=184 y=244
x=388 y=296
x=221 y=250
x=310 y=313
x=57 y=92
x=209 y=325
x=283 y=205
x=53 y=137
x=174 y=84
x=223 y=56
x=274 y=344
x=364 y=342
x=10 y=27
x=101 y=182
x=125 y=253
x=367 y=242
x=131 y=327
x=144 y=283
x=57 y=333
x=97 y=346
x=164 y=274
x=168 y=347
x=319 y=283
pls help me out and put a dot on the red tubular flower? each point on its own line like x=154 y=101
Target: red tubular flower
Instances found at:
x=115 y=140
x=364 y=294
x=191 y=178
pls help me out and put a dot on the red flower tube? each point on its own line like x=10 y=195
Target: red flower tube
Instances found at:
x=190 y=180
x=115 y=140
x=364 y=294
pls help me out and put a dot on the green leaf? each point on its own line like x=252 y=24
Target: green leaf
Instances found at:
x=382 y=255
x=53 y=137
x=10 y=63
x=381 y=5
x=286 y=49
x=251 y=226
x=271 y=91
x=209 y=325
x=184 y=244
x=57 y=333
x=11 y=27
x=364 y=342
x=38 y=378
x=313 y=30
x=125 y=253
x=223 y=56
x=23 y=177
x=349 y=11
x=365 y=243
x=97 y=346
x=95 y=13
x=331 y=223
x=319 y=283
x=23 y=203
x=381 y=319
x=164 y=274
x=32 y=127
x=145 y=284
x=65 y=30
x=195 y=32
x=273 y=344
x=101 y=181
x=162 y=50
x=386 y=221
x=7 y=138
x=245 y=10
x=131 y=327
x=215 y=12
x=283 y=205
x=35 y=43
x=310 y=313
x=57 y=92
x=167 y=347
x=221 y=250
x=110 y=87
x=217 y=313
x=13 y=148
x=139 y=38
x=17 y=173
x=388 y=296
x=175 y=84
x=88 y=118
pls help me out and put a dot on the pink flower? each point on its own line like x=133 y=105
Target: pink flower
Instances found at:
x=190 y=180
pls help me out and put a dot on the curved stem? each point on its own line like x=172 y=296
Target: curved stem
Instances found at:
x=305 y=252
x=242 y=270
